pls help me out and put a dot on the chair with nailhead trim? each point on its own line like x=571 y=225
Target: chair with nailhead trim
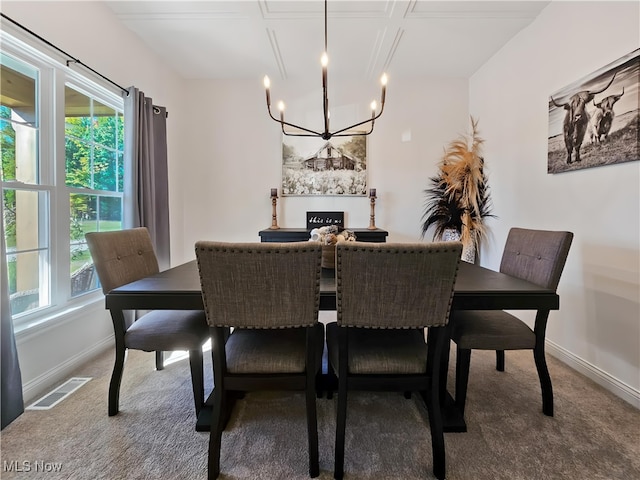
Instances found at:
x=387 y=294
x=124 y=256
x=537 y=256
x=262 y=302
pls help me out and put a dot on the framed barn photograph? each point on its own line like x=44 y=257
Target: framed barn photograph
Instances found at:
x=314 y=166
x=595 y=121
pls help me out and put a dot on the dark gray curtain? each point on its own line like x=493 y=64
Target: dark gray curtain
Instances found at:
x=11 y=402
x=147 y=190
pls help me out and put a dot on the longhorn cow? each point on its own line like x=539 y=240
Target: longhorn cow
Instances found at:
x=602 y=117
x=576 y=119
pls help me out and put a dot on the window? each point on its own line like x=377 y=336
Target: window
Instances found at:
x=61 y=146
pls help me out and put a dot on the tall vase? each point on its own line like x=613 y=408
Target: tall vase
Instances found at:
x=468 y=251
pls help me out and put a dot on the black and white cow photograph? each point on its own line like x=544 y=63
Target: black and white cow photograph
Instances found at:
x=595 y=121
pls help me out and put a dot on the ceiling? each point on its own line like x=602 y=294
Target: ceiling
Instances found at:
x=246 y=39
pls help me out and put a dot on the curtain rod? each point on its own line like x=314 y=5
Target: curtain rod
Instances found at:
x=72 y=58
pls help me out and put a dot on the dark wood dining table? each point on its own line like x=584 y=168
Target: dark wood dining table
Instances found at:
x=476 y=288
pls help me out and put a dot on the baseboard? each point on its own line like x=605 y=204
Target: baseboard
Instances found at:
x=592 y=372
x=40 y=384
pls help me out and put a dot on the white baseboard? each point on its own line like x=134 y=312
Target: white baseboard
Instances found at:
x=615 y=386
x=32 y=389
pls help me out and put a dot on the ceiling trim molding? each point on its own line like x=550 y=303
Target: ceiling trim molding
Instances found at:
x=297 y=14
x=413 y=12
x=375 y=53
x=143 y=17
x=277 y=54
x=392 y=50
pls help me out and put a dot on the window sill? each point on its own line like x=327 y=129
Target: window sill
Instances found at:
x=49 y=318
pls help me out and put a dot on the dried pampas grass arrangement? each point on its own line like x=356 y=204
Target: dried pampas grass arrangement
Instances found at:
x=458 y=198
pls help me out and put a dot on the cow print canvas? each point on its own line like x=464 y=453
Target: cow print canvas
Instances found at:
x=595 y=121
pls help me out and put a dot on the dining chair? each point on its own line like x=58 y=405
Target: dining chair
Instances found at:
x=124 y=256
x=387 y=294
x=537 y=256
x=262 y=302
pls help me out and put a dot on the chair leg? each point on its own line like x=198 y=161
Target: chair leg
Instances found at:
x=545 y=379
x=434 y=407
x=463 y=361
x=116 y=379
x=500 y=360
x=159 y=360
x=341 y=423
x=312 y=432
x=215 y=435
x=197 y=377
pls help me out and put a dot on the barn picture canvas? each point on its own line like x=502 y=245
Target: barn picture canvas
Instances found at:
x=314 y=166
x=595 y=121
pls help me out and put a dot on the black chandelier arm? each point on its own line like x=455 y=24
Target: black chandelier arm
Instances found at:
x=354 y=134
x=372 y=120
x=283 y=123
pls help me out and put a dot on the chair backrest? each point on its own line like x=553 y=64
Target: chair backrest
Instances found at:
x=260 y=285
x=537 y=256
x=395 y=285
x=122 y=256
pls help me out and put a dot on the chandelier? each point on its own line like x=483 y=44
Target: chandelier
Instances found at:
x=326 y=134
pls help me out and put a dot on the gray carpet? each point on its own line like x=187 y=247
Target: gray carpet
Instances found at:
x=594 y=435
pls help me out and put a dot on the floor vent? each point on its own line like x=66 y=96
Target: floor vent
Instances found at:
x=53 y=398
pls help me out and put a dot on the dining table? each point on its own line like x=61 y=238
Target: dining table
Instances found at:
x=476 y=288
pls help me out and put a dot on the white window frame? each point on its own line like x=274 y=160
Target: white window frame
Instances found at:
x=54 y=76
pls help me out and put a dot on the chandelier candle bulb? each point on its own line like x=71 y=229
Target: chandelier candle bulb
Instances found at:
x=383 y=80
x=267 y=83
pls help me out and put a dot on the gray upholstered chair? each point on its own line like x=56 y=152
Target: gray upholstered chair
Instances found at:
x=387 y=294
x=262 y=302
x=121 y=257
x=537 y=256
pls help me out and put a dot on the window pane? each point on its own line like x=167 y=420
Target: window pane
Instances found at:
x=120 y=171
x=104 y=169
x=27 y=248
x=24 y=213
x=77 y=159
x=77 y=115
x=89 y=213
x=110 y=214
x=18 y=126
x=24 y=271
x=83 y=220
x=120 y=132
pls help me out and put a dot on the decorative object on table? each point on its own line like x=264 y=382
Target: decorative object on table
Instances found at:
x=322 y=219
x=326 y=134
x=458 y=200
x=274 y=215
x=329 y=236
x=372 y=215
x=312 y=166
x=595 y=120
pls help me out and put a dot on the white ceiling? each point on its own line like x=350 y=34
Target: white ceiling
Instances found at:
x=284 y=39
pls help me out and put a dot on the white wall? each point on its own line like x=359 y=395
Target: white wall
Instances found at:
x=235 y=157
x=597 y=329
x=89 y=31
